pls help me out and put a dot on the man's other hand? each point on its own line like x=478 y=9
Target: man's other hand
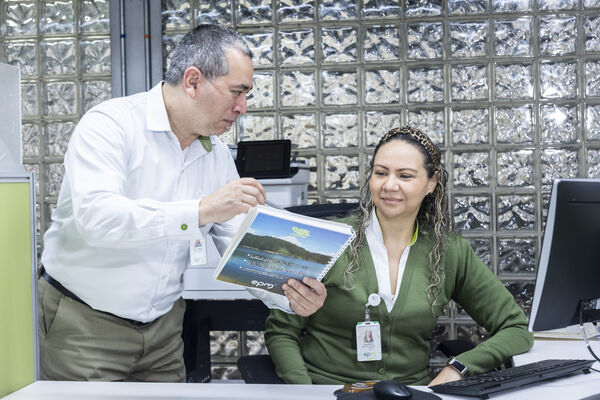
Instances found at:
x=236 y=197
x=305 y=297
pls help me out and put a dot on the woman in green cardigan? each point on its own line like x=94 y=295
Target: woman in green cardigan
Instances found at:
x=405 y=255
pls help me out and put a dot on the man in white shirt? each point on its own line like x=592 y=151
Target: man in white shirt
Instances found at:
x=145 y=176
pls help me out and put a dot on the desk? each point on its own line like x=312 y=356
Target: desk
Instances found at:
x=574 y=387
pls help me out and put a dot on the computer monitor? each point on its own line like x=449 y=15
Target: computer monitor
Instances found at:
x=568 y=276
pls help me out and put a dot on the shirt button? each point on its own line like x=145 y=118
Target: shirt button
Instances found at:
x=381 y=371
x=183 y=227
x=163 y=276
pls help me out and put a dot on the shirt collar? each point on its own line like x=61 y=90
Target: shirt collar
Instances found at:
x=374 y=228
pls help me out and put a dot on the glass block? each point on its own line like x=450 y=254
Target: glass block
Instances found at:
x=557 y=164
x=558 y=35
x=312 y=171
x=514 y=124
x=336 y=10
x=500 y=6
x=224 y=372
x=483 y=250
x=57 y=17
x=382 y=86
x=557 y=4
x=297 y=47
x=224 y=344
x=469 y=82
x=514 y=81
x=558 y=80
x=254 y=12
x=462 y=7
x=559 y=123
x=301 y=129
x=58 y=56
x=212 y=12
x=340 y=87
x=475 y=333
x=341 y=172
x=591 y=3
x=472 y=213
x=261 y=46
x=468 y=39
x=425 y=85
x=29 y=99
x=54 y=177
x=31 y=140
x=523 y=294
x=35 y=169
x=94 y=16
x=516 y=212
x=94 y=92
x=381 y=43
x=592 y=78
x=515 y=168
x=593 y=162
x=262 y=92
x=423 y=8
x=256 y=127
x=297 y=89
x=592 y=122
x=168 y=44
x=228 y=137
x=377 y=123
x=545 y=206
x=22 y=55
x=591 y=27
x=513 y=38
x=340 y=131
x=381 y=9
x=470 y=126
x=471 y=169
x=95 y=56
x=429 y=121
x=255 y=342
x=21 y=18
x=295 y=10
x=176 y=13
x=339 y=44
x=425 y=40
x=58 y=134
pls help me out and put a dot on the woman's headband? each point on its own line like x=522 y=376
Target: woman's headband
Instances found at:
x=418 y=136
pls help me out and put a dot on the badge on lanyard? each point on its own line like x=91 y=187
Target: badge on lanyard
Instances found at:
x=198 y=251
x=368 y=334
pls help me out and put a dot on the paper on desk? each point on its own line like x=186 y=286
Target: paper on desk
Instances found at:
x=572 y=332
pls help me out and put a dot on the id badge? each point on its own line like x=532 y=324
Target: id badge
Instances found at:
x=197 y=252
x=368 y=341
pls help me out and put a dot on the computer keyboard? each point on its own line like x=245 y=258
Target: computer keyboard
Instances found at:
x=510 y=378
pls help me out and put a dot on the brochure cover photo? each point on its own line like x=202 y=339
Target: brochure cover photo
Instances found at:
x=273 y=245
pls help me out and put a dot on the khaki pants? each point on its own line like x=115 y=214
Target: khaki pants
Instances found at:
x=80 y=343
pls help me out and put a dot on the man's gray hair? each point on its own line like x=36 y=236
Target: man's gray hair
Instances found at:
x=204 y=48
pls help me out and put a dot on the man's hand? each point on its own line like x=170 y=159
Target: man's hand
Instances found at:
x=236 y=197
x=305 y=297
x=447 y=374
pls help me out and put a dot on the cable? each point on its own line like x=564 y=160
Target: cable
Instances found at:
x=587 y=343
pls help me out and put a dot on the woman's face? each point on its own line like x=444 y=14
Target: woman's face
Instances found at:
x=399 y=181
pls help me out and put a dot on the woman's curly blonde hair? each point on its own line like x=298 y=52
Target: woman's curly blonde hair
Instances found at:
x=432 y=217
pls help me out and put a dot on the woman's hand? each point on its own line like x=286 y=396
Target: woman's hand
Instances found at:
x=305 y=297
x=447 y=374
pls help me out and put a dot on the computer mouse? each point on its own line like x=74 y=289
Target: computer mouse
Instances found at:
x=391 y=390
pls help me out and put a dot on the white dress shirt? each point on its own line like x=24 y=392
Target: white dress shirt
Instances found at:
x=128 y=207
x=380 y=261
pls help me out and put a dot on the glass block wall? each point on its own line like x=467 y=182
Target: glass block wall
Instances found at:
x=510 y=90
x=63 y=50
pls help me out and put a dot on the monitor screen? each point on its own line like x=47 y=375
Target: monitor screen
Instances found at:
x=569 y=267
x=264 y=158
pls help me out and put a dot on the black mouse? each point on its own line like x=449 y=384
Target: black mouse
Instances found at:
x=391 y=390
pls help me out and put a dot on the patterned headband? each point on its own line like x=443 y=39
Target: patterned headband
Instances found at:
x=418 y=136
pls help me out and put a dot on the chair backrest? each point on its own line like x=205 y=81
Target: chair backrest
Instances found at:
x=258 y=369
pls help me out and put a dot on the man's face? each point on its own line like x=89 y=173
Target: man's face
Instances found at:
x=220 y=100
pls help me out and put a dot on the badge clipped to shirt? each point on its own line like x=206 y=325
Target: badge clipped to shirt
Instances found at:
x=368 y=334
x=198 y=252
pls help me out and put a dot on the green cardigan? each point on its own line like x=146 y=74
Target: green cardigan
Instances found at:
x=326 y=354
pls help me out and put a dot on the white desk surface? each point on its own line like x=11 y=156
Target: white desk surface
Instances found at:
x=575 y=387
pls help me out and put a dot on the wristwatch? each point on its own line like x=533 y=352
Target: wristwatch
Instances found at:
x=457 y=365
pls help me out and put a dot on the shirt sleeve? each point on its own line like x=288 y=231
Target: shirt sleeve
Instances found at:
x=96 y=172
x=492 y=306
x=282 y=337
